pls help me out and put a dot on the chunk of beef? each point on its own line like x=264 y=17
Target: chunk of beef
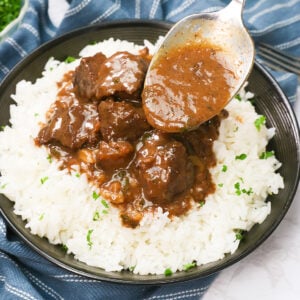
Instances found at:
x=121 y=120
x=86 y=75
x=72 y=125
x=163 y=168
x=113 y=155
x=121 y=75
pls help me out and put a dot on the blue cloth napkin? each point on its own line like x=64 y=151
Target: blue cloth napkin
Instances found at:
x=24 y=274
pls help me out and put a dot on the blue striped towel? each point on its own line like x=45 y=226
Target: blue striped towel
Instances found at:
x=26 y=275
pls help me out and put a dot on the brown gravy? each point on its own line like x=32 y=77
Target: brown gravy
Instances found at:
x=136 y=167
x=186 y=87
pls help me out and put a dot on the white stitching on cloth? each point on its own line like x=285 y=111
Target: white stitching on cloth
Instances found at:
x=153 y=8
x=13 y=290
x=31 y=29
x=77 y=8
x=43 y=286
x=108 y=12
x=16 y=46
x=182 y=7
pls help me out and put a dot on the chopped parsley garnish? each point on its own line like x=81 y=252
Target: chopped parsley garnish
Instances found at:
x=220 y=184
x=239 y=234
x=64 y=247
x=224 y=168
x=49 y=158
x=69 y=59
x=201 y=203
x=96 y=216
x=237 y=187
x=36 y=114
x=95 y=195
x=259 y=122
x=9 y=10
x=104 y=203
x=189 y=266
x=168 y=272
x=241 y=156
x=3 y=186
x=2 y=127
x=41 y=217
x=248 y=192
x=88 y=237
x=44 y=179
x=105 y=212
x=238 y=97
x=77 y=175
x=131 y=269
x=266 y=154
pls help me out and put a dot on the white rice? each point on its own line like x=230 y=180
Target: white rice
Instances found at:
x=62 y=207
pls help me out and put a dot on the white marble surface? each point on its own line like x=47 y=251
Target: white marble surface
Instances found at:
x=272 y=271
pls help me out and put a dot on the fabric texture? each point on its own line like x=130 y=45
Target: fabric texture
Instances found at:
x=24 y=274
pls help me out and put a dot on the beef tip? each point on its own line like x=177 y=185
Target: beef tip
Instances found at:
x=121 y=75
x=163 y=167
x=72 y=125
x=113 y=155
x=121 y=120
x=86 y=75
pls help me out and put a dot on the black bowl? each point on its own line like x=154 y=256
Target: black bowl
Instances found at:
x=270 y=101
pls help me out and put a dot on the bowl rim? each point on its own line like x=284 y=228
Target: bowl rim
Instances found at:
x=161 y=280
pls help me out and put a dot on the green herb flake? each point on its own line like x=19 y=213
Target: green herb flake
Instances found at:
x=168 y=272
x=220 y=184
x=238 y=97
x=2 y=127
x=259 y=122
x=248 y=192
x=224 y=168
x=9 y=10
x=104 y=203
x=41 y=217
x=96 y=216
x=189 y=266
x=77 y=175
x=36 y=114
x=266 y=154
x=105 y=212
x=131 y=269
x=70 y=59
x=239 y=234
x=3 y=186
x=237 y=187
x=95 y=195
x=88 y=237
x=44 y=179
x=64 y=247
x=201 y=203
x=241 y=156
x=49 y=158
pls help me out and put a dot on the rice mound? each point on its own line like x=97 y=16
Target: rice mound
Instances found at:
x=60 y=206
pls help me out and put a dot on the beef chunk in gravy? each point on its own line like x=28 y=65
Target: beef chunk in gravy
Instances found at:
x=163 y=167
x=121 y=75
x=86 y=75
x=121 y=120
x=72 y=125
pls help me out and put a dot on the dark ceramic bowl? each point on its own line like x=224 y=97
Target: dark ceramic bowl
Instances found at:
x=270 y=101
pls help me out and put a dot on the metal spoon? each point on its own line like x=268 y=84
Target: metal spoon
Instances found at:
x=223 y=29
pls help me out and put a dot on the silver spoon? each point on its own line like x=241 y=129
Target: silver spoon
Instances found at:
x=223 y=29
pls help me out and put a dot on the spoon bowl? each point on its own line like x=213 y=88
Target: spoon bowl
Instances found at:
x=224 y=30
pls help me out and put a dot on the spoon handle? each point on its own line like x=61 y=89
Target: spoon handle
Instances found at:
x=233 y=11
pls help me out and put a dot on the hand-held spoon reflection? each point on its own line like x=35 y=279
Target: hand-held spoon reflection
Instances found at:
x=202 y=63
